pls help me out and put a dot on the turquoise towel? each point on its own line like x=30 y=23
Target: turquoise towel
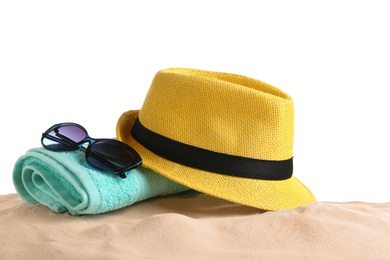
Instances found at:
x=63 y=181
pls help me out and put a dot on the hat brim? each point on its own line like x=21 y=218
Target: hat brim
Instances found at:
x=263 y=194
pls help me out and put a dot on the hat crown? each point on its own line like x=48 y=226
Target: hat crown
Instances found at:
x=222 y=134
x=220 y=112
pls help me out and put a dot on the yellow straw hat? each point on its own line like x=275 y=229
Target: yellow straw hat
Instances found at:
x=222 y=134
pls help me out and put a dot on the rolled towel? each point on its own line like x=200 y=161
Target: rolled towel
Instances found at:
x=63 y=181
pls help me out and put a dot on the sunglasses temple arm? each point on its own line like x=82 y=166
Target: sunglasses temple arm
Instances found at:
x=62 y=139
x=103 y=158
x=109 y=157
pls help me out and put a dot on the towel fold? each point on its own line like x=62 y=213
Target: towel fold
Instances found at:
x=63 y=181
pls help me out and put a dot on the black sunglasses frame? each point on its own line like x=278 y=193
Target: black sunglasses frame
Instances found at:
x=73 y=146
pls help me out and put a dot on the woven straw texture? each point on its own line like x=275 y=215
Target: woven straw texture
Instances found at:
x=224 y=113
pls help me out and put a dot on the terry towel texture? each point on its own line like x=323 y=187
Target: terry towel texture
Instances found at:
x=63 y=181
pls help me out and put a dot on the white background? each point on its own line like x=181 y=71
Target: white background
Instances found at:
x=90 y=61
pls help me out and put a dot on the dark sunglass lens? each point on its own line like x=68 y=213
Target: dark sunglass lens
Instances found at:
x=111 y=156
x=64 y=137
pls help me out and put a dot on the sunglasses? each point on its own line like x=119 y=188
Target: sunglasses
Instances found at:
x=108 y=155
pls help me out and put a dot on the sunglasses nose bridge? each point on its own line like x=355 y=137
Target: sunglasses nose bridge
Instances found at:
x=89 y=142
